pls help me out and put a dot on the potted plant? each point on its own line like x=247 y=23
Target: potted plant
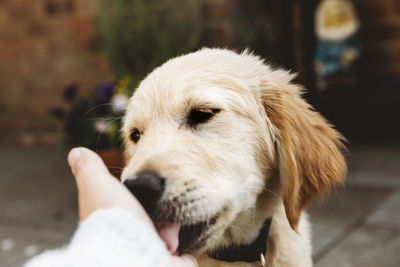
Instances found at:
x=136 y=36
x=94 y=121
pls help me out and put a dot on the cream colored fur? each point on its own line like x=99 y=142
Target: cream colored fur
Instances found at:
x=266 y=153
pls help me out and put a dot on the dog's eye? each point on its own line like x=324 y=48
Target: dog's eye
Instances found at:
x=197 y=116
x=135 y=135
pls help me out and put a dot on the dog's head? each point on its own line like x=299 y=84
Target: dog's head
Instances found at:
x=207 y=133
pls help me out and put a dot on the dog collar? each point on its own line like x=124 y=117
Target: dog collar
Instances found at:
x=254 y=252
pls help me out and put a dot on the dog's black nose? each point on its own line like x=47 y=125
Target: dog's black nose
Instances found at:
x=147 y=187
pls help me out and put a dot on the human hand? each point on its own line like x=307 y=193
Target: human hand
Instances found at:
x=98 y=189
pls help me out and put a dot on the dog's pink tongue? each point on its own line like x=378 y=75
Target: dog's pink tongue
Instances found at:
x=169 y=233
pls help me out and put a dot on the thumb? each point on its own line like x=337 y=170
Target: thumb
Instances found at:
x=85 y=164
x=97 y=188
x=185 y=260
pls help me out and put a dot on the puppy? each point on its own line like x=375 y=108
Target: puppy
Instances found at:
x=224 y=155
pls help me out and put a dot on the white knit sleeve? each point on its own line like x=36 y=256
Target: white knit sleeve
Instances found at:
x=111 y=237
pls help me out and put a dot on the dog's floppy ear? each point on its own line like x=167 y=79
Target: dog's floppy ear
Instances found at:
x=308 y=148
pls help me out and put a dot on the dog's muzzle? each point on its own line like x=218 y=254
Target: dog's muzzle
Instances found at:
x=147 y=187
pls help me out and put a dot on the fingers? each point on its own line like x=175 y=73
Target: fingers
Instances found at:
x=185 y=260
x=97 y=188
x=86 y=163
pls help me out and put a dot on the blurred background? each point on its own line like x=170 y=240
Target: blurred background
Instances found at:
x=67 y=68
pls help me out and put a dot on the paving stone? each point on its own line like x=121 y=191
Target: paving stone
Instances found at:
x=48 y=212
x=19 y=163
x=345 y=209
x=38 y=206
x=37 y=200
x=17 y=263
x=24 y=243
x=38 y=190
x=374 y=165
x=58 y=243
x=388 y=214
x=366 y=247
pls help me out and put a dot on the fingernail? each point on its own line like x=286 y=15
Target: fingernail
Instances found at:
x=73 y=156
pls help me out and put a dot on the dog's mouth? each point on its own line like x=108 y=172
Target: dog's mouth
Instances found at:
x=181 y=239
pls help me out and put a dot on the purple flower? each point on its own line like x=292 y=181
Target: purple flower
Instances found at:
x=57 y=112
x=70 y=92
x=104 y=92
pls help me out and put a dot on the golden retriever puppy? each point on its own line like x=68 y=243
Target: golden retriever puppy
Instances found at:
x=224 y=154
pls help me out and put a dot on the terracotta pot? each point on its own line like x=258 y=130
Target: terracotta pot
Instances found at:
x=114 y=160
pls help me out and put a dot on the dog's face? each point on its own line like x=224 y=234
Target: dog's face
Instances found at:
x=202 y=142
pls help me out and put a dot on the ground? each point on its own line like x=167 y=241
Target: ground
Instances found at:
x=358 y=225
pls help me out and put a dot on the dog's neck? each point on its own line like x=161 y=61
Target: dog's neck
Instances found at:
x=253 y=252
x=247 y=226
x=250 y=227
x=283 y=242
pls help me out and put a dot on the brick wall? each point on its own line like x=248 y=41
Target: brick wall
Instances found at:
x=215 y=15
x=47 y=44
x=44 y=45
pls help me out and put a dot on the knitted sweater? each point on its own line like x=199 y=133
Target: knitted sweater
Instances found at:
x=111 y=238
